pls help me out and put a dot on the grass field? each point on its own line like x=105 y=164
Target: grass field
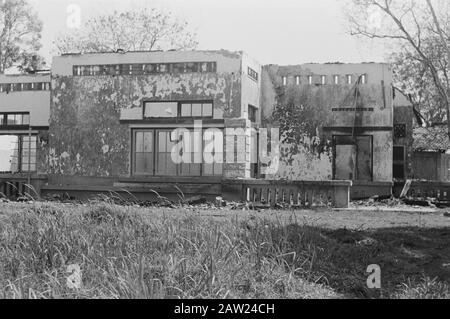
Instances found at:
x=132 y=252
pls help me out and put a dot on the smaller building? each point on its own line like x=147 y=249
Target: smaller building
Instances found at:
x=24 y=120
x=431 y=159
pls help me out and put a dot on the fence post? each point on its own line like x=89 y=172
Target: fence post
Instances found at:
x=342 y=194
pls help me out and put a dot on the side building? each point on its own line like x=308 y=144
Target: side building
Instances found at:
x=24 y=123
x=353 y=124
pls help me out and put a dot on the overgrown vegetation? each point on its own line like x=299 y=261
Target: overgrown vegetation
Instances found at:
x=130 y=252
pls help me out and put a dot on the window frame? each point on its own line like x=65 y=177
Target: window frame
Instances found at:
x=4 y=120
x=252 y=74
x=179 y=109
x=155 y=146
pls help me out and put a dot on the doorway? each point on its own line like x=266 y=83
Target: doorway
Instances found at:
x=353 y=157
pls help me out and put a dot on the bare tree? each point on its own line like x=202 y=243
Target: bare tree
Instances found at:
x=411 y=25
x=20 y=35
x=138 y=30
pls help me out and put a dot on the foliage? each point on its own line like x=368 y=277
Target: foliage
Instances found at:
x=137 y=30
x=414 y=78
x=20 y=35
x=418 y=31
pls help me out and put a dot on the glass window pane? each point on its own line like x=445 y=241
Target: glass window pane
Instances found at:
x=26 y=119
x=186 y=110
x=139 y=142
x=11 y=119
x=161 y=109
x=207 y=109
x=196 y=110
x=140 y=163
x=162 y=141
x=148 y=142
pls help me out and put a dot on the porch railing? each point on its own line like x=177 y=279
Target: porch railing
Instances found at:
x=429 y=189
x=14 y=186
x=295 y=193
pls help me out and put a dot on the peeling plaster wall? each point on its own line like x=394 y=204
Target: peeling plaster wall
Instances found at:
x=324 y=98
x=250 y=88
x=86 y=136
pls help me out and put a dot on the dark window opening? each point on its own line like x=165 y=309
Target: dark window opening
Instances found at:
x=252 y=112
x=400 y=130
x=14 y=119
x=399 y=162
x=19 y=87
x=145 y=69
x=253 y=74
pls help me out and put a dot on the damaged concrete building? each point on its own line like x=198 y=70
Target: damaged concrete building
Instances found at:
x=104 y=125
x=356 y=113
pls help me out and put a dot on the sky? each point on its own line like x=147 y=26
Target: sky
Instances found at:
x=271 y=31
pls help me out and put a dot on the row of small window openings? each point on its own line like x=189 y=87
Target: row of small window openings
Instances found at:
x=142 y=69
x=322 y=79
x=17 y=87
x=14 y=119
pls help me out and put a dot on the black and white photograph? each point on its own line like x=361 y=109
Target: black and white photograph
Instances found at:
x=227 y=158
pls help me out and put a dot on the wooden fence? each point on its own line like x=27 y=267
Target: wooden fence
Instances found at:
x=428 y=189
x=294 y=193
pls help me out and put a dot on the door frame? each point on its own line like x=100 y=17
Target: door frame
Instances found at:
x=356 y=164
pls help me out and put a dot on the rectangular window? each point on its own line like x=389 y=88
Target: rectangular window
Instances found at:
x=142 y=69
x=29 y=147
x=19 y=153
x=310 y=79
x=297 y=80
x=143 y=156
x=336 y=79
x=323 y=79
x=252 y=111
x=349 y=78
x=364 y=79
x=284 y=80
x=11 y=119
x=198 y=109
x=253 y=74
x=160 y=109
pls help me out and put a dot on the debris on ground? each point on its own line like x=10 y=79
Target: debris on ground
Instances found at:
x=195 y=200
x=367 y=242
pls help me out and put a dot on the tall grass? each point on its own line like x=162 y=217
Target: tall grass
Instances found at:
x=123 y=254
x=129 y=252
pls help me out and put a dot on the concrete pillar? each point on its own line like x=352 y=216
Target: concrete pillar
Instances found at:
x=237 y=155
